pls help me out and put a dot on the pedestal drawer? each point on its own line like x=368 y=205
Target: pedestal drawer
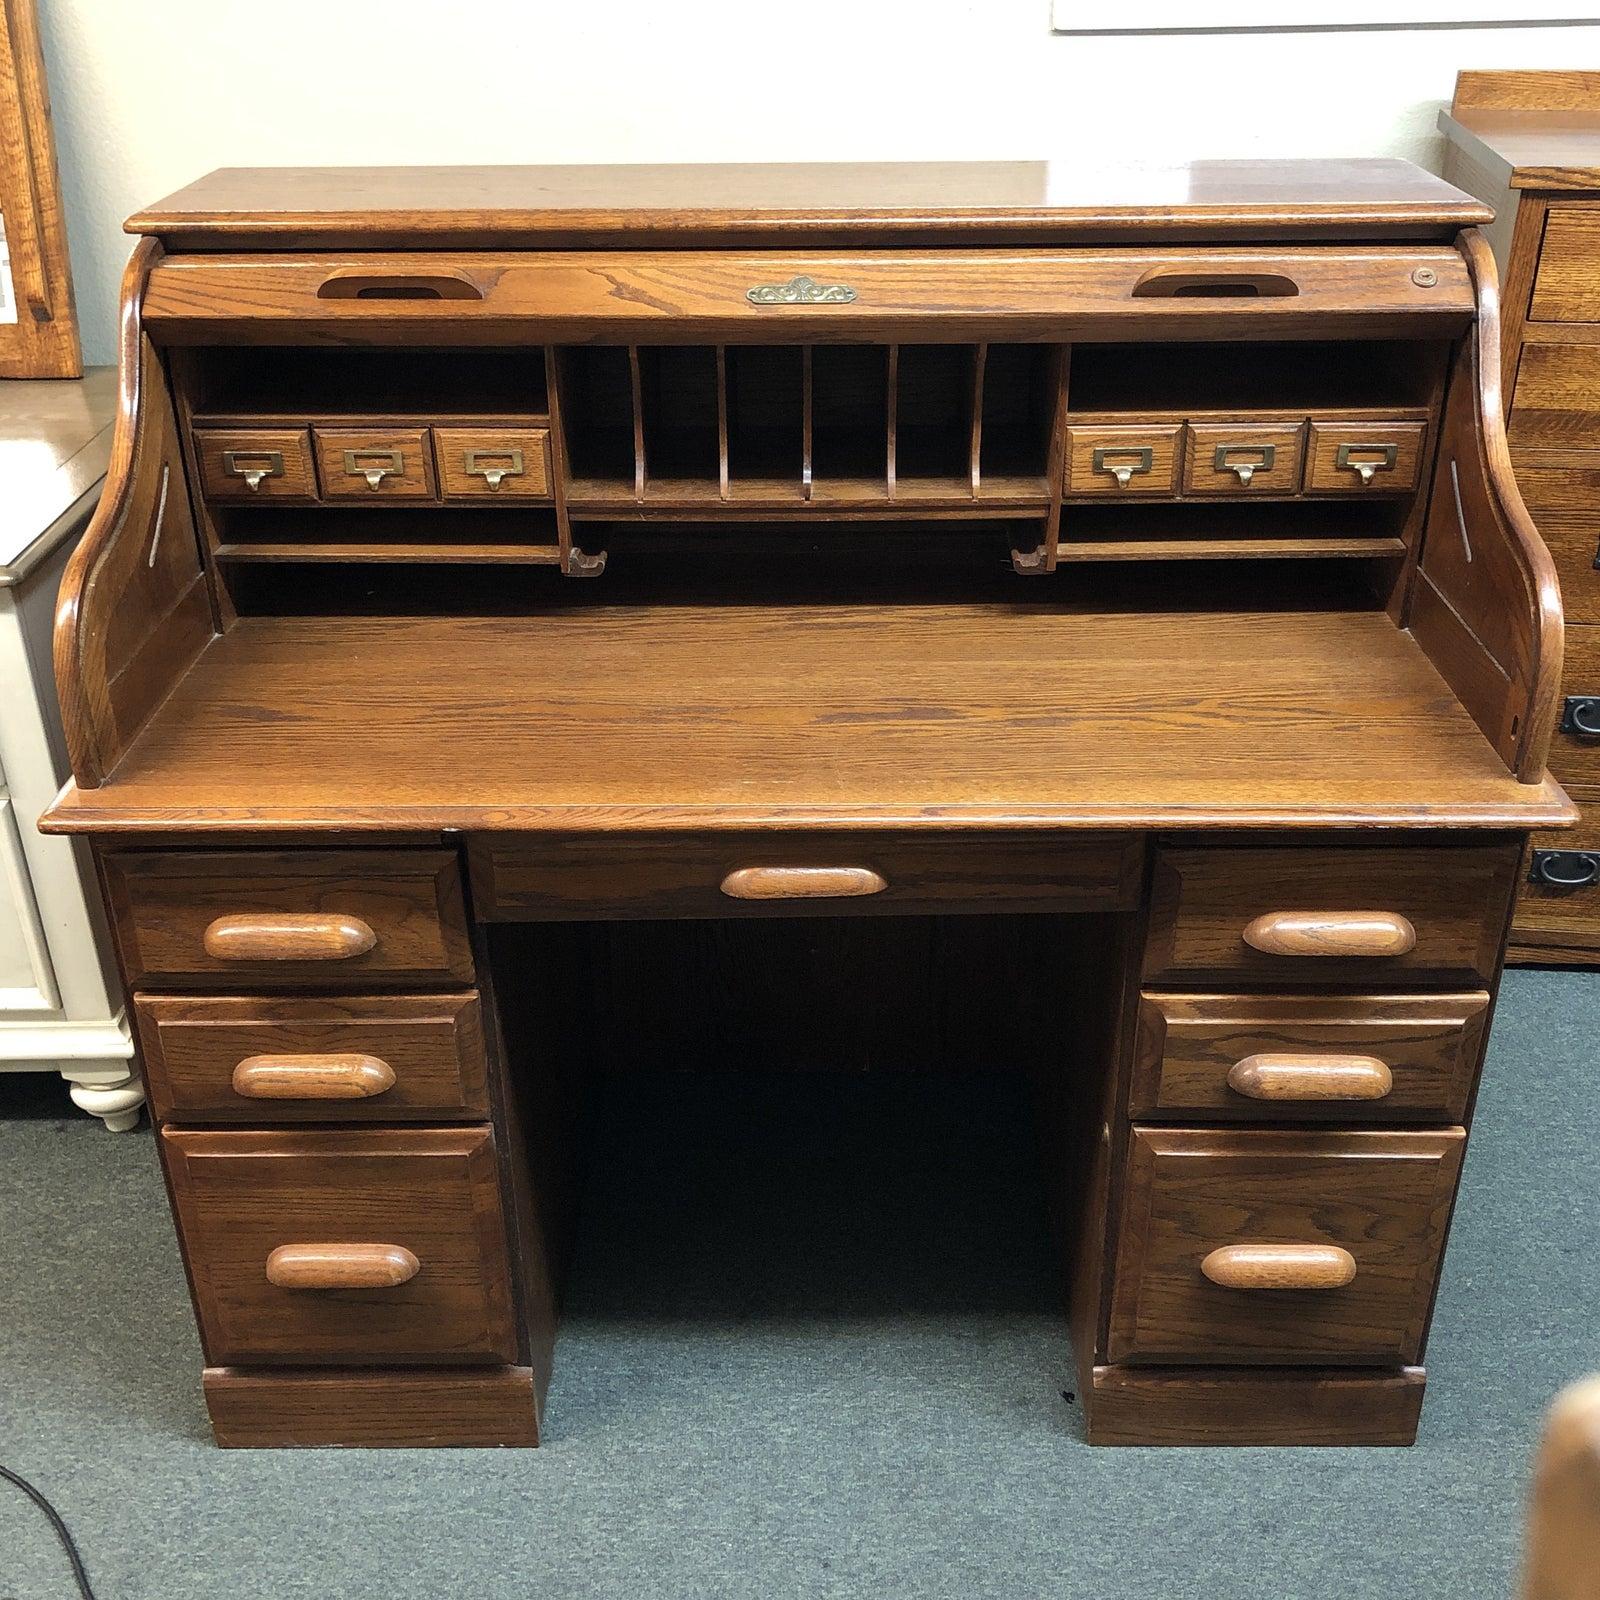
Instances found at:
x=1352 y=914
x=1300 y=1058
x=371 y=1058
x=364 y=1247
x=1313 y=1248
x=307 y=918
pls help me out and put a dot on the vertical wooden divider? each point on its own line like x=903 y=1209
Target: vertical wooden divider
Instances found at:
x=558 y=442
x=641 y=474
x=894 y=417
x=980 y=359
x=805 y=421
x=722 y=421
x=1056 y=460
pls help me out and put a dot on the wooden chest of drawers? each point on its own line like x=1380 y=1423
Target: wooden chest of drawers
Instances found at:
x=1521 y=140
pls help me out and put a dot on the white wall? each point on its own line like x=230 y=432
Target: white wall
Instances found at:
x=148 y=95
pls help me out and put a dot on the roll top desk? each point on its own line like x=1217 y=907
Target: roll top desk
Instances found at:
x=1122 y=591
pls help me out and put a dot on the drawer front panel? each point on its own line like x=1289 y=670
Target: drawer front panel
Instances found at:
x=372 y=1058
x=1565 y=920
x=1308 y=1058
x=1574 y=753
x=1567 y=288
x=1123 y=460
x=375 y=464
x=1381 y=1199
x=314 y=918
x=1565 y=501
x=1556 y=403
x=493 y=463
x=253 y=464
x=1253 y=458
x=247 y=1202
x=1211 y=906
x=1364 y=457
x=575 y=877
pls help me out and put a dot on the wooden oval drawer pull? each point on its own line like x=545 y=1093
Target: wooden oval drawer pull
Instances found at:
x=1331 y=933
x=1280 y=1266
x=1295 y=1077
x=802 y=883
x=288 y=936
x=341 y=1266
x=353 y=1077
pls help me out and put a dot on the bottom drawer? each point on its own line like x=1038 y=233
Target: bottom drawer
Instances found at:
x=1224 y=1234
x=1560 y=920
x=358 y=1247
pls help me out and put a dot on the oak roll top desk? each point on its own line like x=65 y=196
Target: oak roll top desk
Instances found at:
x=496 y=563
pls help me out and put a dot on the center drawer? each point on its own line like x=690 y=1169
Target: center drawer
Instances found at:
x=1349 y=914
x=570 y=877
x=359 y=1247
x=308 y=918
x=1281 y=1247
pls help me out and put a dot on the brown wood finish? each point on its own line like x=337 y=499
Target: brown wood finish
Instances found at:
x=999 y=715
x=254 y=464
x=1192 y=1046
x=1382 y=1197
x=1208 y=900
x=1564 y=288
x=242 y=1196
x=1561 y=925
x=298 y=1054
x=476 y=1407
x=691 y=296
x=134 y=608
x=1218 y=1406
x=1291 y=786
x=286 y=918
x=1563 y=494
x=41 y=341
x=670 y=875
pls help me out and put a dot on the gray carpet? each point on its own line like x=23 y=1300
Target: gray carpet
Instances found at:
x=811 y=1350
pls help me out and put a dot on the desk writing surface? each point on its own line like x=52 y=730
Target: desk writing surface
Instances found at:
x=743 y=715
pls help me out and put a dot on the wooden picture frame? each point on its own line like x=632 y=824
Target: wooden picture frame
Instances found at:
x=41 y=339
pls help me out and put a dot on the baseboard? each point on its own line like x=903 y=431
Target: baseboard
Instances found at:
x=393 y=1409
x=1232 y=1406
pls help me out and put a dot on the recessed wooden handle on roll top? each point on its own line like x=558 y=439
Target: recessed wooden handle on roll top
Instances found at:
x=802 y=883
x=308 y=1077
x=341 y=1266
x=288 y=936
x=1269 y=1076
x=1331 y=933
x=1280 y=1266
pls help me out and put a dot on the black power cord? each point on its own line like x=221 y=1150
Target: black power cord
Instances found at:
x=62 y=1532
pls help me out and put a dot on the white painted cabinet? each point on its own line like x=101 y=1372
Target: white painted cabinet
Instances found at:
x=59 y=1005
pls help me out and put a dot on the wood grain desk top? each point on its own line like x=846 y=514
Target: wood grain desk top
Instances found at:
x=623 y=717
x=1532 y=130
x=1036 y=202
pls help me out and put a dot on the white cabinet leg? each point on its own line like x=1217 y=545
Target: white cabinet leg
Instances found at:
x=116 y=1104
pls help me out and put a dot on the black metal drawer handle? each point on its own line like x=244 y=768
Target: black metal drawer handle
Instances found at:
x=1564 y=869
x=1580 y=716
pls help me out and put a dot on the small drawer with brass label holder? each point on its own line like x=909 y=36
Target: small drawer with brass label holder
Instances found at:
x=1123 y=460
x=251 y=464
x=493 y=463
x=390 y=464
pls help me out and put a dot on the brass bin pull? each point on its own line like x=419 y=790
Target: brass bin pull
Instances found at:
x=341 y=1266
x=253 y=465
x=1143 y=462
x=802 y=883
x=287 y=936
x=1264 y=456
x=1388 y=456
x=309 y=1077
x=1284 y=1076
x=380 y=464
x=1331 y=933
x=473 y=464
x=1280 y=1266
